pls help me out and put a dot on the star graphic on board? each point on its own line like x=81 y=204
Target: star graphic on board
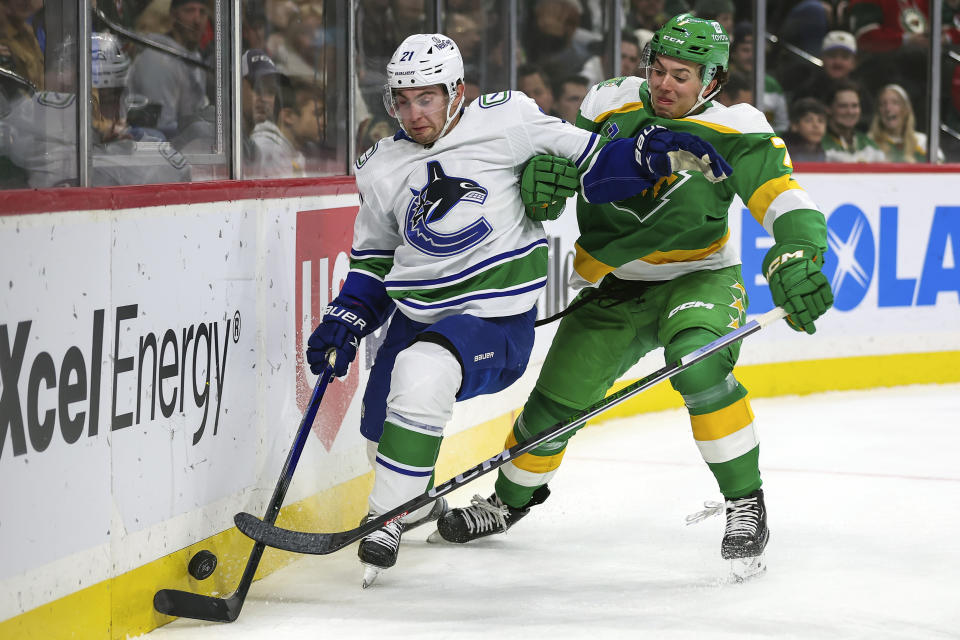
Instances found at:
x=845 y=250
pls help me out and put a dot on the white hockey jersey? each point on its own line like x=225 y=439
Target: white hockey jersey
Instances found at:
x=444 y=228
x=41 y=138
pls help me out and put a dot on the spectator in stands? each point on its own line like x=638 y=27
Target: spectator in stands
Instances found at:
x=645 y=14
x=570 y=93
x=410 y=16
x=463 y=29
x=258 y=88
x=20 y=50
x=737 y=90
x=550 y=42
x=774 y=105
x=839 y=53
x=297 y=49
x=843 y=143
x=278 y=148
x=176 y=82
x=532 y=80
x=373 y=129
x=253 y=27
x=471 y=90
x=808 y=125
x=951 y=22
x=890 y=25
x=805 y=25
x=893 y=129
x=893 y=37
x=720 y=10
x=599 y=67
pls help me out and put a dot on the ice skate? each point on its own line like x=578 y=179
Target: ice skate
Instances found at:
x=378 y=551
x=438 y=510
x=746 y=536
x=482 y=518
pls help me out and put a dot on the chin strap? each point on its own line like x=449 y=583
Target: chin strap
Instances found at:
x=701 y=100
x=452 y=113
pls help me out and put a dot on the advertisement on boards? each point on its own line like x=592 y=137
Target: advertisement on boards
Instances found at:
x=323 y=242
x=126 y=389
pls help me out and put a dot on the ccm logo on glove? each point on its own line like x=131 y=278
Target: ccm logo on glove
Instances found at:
x=777 y=262
x=348 y=317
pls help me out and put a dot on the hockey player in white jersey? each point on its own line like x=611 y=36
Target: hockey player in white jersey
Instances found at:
x=441 y=237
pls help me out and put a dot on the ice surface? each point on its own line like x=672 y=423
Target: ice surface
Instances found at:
x=863 y=494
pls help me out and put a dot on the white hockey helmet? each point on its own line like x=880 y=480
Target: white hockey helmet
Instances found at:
x=110 y=63
x=422 y=60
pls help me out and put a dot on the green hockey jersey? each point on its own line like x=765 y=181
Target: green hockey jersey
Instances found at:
x=679 y=225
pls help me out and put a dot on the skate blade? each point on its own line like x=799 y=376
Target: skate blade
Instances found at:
x=436 y=538
x=370 y=574
x=743 y=569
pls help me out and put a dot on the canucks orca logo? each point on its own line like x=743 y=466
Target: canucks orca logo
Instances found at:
x=433 y=202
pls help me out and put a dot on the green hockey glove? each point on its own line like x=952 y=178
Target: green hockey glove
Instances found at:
x=545 y=185
x=797 y=284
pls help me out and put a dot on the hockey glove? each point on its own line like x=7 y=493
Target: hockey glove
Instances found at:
x=660 y=152
x=341 y=330
x=797 y=284
x=545 y=185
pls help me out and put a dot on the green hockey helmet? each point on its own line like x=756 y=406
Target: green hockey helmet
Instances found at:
x=694 y=39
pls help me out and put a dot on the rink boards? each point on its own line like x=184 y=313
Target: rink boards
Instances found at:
x=152 y=382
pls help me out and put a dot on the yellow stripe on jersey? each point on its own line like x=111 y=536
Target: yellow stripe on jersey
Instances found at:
x=712 y=125
x=534 y=464
x=686 y=255
x=721 y=423
x=760 y=201
x=588 y=267
x=625 y=108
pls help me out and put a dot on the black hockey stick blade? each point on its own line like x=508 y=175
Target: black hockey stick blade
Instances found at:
x=324 y=543
x=185 y=604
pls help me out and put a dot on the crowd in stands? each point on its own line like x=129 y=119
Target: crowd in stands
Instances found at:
x=845 y=80
x=830 y=64
x=156 y=80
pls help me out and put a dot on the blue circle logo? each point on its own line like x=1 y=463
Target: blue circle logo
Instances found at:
x=849 y=264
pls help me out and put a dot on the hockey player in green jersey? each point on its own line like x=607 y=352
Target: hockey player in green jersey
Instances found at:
x=659 y=271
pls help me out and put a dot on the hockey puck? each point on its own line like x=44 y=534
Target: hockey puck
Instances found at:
x=202 y=564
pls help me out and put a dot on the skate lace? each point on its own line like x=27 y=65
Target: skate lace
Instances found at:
x=712 y=509
x=483 y=515
x=743 y=517
x=388 y=536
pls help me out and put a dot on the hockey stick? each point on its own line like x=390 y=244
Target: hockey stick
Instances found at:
x=149 y=42
x=174 y=602
x=323 y=543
